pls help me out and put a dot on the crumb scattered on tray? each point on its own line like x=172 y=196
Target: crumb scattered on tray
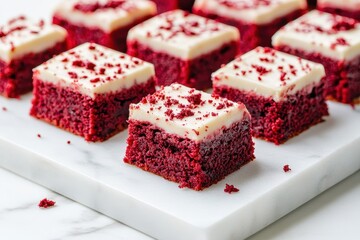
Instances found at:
x=230 y=189
x=46 y=203
x=286 y=168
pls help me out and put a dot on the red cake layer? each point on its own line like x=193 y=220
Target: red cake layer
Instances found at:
x=16 y=76
x=195 y=165
x=347 y=13
x=78 y=34
x=194 y=73
x=279 y=121
x=167 y=5
x=95 y=119
x=253 y=35
x=342 y=78
x=312 y=3
x=186 y=4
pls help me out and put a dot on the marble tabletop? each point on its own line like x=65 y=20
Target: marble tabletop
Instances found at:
x=335 y=214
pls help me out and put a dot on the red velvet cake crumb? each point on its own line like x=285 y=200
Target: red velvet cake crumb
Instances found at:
x=68 y=142
x=230 y=189
x=286 y=168
x=46 y=203
x=38 y=135
x=4 y=109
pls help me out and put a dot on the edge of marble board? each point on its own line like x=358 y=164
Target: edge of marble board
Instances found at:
x=139 y=215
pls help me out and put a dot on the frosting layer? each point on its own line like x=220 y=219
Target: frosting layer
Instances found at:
x=93 y=69
x=254 y=11
x=21 y=36
x=187 y=112
x=183 y=35
x=269 y=73
x=107 y=15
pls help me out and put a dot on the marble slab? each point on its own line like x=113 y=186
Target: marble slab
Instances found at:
x=94 y=175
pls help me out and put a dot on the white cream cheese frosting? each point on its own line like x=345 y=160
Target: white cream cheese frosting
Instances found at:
x=254 y=11
x=93 y=69
x=269 y=73
x=183 y=35
x=331 y=35
x=107 y=15
x=21 y=36
x=187 y=112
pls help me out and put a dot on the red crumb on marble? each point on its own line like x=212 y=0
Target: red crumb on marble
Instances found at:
x=230 y=189
x=68 y=142
x=39 y=135
x=286 y=168
x=4 y=109
x=46 y=203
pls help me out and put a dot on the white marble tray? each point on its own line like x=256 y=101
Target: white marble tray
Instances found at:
x=94 y=175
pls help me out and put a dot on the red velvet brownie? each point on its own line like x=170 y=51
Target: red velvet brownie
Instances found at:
x=257 y=20
x=88 y=90
x=105 y=22
x=188 y=136
x=331 y=40
x=184 y=48
x=167 y=5
x=283 y=93
x=312 y=3
x=347 y=8
x=25 y=44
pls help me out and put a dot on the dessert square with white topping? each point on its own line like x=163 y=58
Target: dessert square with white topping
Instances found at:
x=183 y=35
x=93 y=69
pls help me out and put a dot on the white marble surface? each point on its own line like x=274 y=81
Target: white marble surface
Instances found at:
x=333 y=215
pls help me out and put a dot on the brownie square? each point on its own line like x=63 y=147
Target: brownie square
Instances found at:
x=88 y=90
x=349 y=9
x=184 y=48
x=188 y=136
x=257 y=20
x=105 y=22
x=283 y=93
x=167 y=5
x=331 y=40
x=25 y=44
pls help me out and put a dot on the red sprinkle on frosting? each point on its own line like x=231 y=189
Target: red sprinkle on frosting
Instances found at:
x=187 y=24
x=243 y=5
x=110 y=4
